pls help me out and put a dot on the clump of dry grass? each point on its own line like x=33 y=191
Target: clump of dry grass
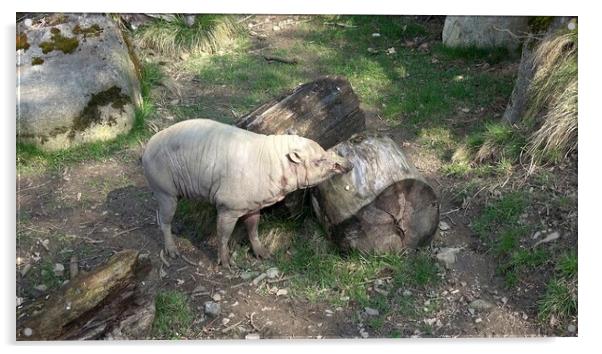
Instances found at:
x=208 y=34
x=553 y=97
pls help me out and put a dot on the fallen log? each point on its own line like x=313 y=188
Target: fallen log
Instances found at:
x=382 y=205
x=110 y=302
x=325 y=110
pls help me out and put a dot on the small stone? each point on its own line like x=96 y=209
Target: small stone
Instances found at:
x=344 y=298
x=363 y=333
x=200 y=289
x=372 y=51
x=465 y=110
x=259 y=278
x=407 y=293
x=318 y=337
x=252 y=336
x=375 y=35
x=217 y=297
x=371 y=312
x=391 y=51
x=281 y=292
x=19 y=301
x=447 y=255
x=41 y=287
x=525 y=317
x=481 y=305
x=504 y=300
x=247 y=275
x=276 y=28
x=27 y=332
x=174 y=102
x=472 y=311
x=572 y=328
x=212 y=308
x=272 y=273
x=478 y=320
x=28 y=22
x=434 y=60
x=347 y=187
x=443 y=226
x=225 y=321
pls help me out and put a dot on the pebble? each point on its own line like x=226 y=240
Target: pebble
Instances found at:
x=225 y=321
x=572 y=328
x=272 y=273
x=41 y=287
x=212 y=308
x=252 y=336
x=375 y=35
x=27 y=332
x=391 y=51
x=363 y=333
x=217 y=297
x=443 y=226
x=259 y=278
x=371 y=312
x=276 y=28
x=465 y=110
x=19 y=301
x=199 y=289
x=447 y=255
x=478 y=320
x=407 y=293
x=248 y=275
x=28 y=22
x=481 y=305
x=281 y=292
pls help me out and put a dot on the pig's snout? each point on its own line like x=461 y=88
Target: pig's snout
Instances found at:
x=342 y=165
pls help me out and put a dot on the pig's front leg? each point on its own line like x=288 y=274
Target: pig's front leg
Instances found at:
x=251 y=222
x=225 y=225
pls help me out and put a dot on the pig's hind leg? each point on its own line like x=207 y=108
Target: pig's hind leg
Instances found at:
x=251 y=223
x=167 y=209
x=225 y=225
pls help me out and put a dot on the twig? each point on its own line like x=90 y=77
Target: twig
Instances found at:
x=516 y=36
x=34 y=187
x=450 y=211
x=253 y=324
x=340 y=24
x=235 y=286
x=271 y=281
x=229 y=328
x=126 y=231
x=86 y=238
x=474 y=196
x=162 y=256
x=189 y=261
x=271 y=58
x=244 y=19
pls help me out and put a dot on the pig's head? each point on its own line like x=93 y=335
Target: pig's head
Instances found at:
x=313 y=165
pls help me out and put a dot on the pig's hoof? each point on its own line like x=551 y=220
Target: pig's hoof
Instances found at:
x=225 y=261
x=172 y=251
x=262 y=253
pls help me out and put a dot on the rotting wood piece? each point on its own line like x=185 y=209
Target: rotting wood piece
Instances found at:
x=113 y=301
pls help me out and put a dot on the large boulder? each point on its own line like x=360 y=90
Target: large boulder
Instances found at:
x=76 y=81
x=484 y=31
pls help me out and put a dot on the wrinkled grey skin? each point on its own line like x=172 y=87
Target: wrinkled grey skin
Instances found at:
x=237 y=171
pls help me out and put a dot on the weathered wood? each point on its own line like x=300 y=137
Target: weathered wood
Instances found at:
x=325 y=110
x=382 y=205
x=110 y=302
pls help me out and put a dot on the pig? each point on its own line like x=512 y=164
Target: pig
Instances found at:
x=238 y=171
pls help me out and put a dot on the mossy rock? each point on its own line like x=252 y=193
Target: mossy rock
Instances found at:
x=78 y=83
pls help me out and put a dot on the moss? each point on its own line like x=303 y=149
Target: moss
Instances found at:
x=91 y=114
x=37 y=61
x=22 y=41
x=59 y=42
x=93 y=31
x=539 y=24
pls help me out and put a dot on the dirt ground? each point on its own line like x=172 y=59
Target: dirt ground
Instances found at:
x=94 y=209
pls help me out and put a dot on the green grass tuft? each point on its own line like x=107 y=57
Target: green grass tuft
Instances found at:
x=567 y=265
x=173 y=316
x=560 y=301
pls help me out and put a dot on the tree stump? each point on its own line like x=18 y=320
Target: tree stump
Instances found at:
x=110 y=302
x=326 y=111
x=382 y=205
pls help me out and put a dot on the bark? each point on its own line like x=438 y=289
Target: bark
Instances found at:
x=110 y=302
x=382 y=205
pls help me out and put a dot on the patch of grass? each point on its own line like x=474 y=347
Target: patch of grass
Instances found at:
x=559 y=300
x=567 y=264
x=207 y=34
x=473 y=54
x=500 y=213
x=173 y=316
x=521 y=261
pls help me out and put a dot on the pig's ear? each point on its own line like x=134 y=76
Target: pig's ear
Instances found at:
x=295 y=156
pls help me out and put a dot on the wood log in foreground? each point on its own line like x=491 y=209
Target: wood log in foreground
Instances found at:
x=111 y=302
x=382 y=205
x=326 y=111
